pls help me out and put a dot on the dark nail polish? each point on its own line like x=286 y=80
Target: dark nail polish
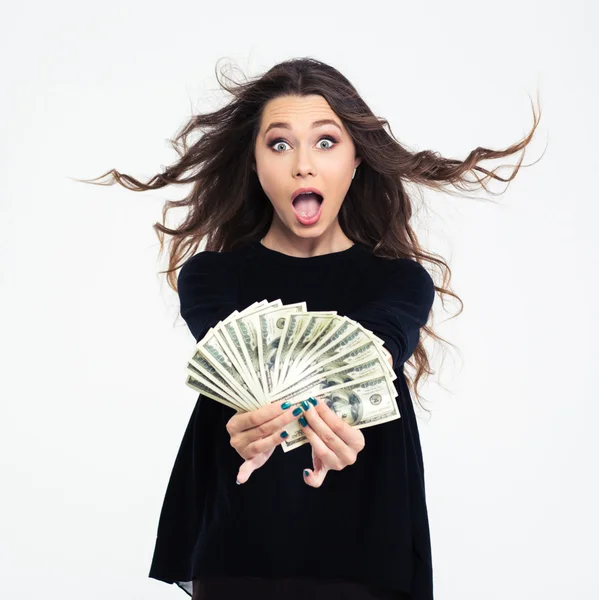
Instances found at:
x=305 y=405
x=284 y=434
x=303 y=421
x=314 y=401
x=306 y=472
x=285 y=405
x=297 y=411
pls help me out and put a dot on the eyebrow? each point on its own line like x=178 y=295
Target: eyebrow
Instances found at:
x=319 y=123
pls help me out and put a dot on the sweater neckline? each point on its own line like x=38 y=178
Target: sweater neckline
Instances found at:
x=262 y=250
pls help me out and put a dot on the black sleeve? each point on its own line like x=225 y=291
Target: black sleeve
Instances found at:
x=400 y=307
x=207 y=288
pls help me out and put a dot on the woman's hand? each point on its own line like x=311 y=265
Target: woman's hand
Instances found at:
x=255 y=434
x=388 y=355
x=335 y=443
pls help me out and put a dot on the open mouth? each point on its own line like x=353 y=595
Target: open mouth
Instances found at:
x=307 y=207
x=303 y=201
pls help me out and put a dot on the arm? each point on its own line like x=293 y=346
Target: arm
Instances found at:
x=388 y=355
x=399 y=308
x=207 y=288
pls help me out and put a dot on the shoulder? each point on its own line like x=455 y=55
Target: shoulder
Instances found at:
x=405 y=267
x=205 y=263
x=409 y=275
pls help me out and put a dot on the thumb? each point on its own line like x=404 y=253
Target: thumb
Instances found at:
x=315 y=477
x=250 y=465
x=245 y=471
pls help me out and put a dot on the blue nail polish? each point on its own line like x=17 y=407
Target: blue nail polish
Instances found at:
x=303 y=421
x=285 y=405
x=297 y=411
x=306 y=472
x=305 y=405
x=314 y=401
x=284 y=434
x=237 y=482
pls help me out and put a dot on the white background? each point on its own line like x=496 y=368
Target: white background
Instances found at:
x=93 y=401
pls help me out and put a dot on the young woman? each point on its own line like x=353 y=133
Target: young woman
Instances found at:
x=345 y=515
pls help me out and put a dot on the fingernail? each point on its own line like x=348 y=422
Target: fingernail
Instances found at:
x=306 y=472
x=284 y=434
x=285 y=405
x=303 y=421
x=237 y=482
x=305 y=405
x=314 y=401
x=297 y=411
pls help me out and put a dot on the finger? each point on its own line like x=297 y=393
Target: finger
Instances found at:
x=345 y=454
x=388 y=355
x=264 y=444
x=250 y=465
x=274 y=427
x=352 y=436
x=255 y=418
x=320 y=450
x=315 y=477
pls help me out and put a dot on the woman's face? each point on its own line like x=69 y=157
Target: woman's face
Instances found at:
x=300 y=155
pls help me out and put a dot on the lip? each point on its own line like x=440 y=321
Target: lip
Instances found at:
x=306 y=189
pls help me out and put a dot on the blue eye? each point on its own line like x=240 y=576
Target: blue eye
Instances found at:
x=329 y=138
x=271 y=145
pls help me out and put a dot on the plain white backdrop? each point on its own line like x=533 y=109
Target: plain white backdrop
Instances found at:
x=93 y=400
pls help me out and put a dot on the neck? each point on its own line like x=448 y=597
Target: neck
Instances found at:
x=282 y=239
x=306 y=247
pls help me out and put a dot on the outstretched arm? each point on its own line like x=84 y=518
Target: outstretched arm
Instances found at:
x=399 y=308
x=207 y=288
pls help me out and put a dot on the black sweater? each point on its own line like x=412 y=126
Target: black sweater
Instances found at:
x=366 y=523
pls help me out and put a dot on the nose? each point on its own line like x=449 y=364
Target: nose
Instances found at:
x=304 y=164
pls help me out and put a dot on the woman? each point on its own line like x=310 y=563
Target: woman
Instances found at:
x=345 y=515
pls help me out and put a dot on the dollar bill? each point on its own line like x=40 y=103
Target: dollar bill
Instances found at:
x=200 y=385
x=270 y=325
x=299 y=332
x=360 y=403
x=271 y=351
x=353 y=358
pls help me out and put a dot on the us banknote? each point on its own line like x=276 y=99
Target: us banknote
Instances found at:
x=271 y=351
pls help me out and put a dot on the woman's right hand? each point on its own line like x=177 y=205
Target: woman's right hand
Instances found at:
x=255 y=434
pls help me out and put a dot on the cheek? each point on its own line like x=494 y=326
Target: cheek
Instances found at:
x=273 y=191
x=338 y=173
x=338 y=183
x=269 y=179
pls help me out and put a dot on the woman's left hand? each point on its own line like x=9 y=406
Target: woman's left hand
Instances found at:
x=335 y=443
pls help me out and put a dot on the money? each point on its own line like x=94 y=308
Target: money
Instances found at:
x=272 y=351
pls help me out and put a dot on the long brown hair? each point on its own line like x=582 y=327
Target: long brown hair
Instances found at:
x=227 y=206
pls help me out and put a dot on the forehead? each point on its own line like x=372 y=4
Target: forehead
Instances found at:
x=299 y=111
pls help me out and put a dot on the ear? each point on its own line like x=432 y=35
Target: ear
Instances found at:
x=357 y=161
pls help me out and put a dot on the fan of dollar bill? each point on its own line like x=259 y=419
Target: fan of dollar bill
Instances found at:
x=273 y=351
